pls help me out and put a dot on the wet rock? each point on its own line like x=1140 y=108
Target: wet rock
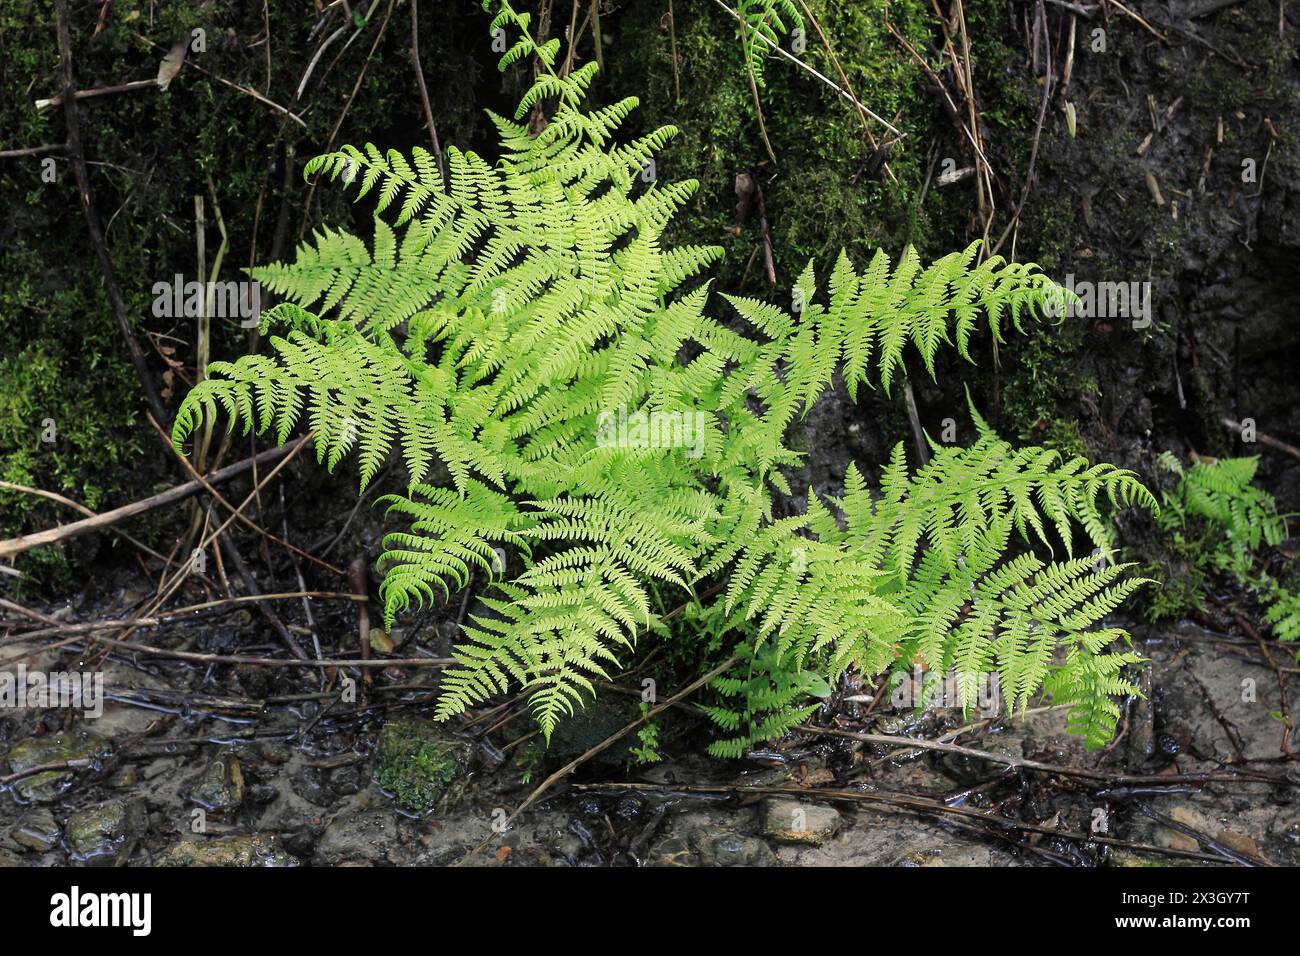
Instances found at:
x=1242 y=843
x=791 y=821
x=365 y=837
x=422 y=765
x=1176 y=839
x=252 y=850
x=731 y=849
x=124 y=779
x=107 y=828
x=8 y=859
x=59 y=748
x=309 y=783
x=948 y=856
x=593 y=725
x=711 y=847
x=674 y=851
x=275 y=752
x=221 y=787
x=37 y=831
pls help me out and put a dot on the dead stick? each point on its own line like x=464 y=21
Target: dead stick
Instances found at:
x=1018 y=763
x=61 y=98
x=274 y=619
x=357 y=582
x=424 y=91
x=1268 y=440
x=908 y=802
x=105 y=519
x=33 y=151
x=78 y=159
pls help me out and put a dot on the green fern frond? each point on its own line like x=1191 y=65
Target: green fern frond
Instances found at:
x=521 y=326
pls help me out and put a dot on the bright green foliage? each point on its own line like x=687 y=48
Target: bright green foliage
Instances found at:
x=522 y=325
x=769 y=697
x=647 y=749
x=1219 y=495
x=769 y=20
x=1221 y=491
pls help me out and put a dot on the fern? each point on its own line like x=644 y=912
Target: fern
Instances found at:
x=1241 y=520
x=549 y=374
x=763 y=24
x=765 y=699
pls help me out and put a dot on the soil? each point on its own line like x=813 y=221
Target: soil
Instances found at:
x=202 y=763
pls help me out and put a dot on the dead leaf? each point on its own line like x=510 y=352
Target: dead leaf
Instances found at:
x=171 y=64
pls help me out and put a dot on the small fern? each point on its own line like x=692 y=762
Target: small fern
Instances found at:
x=764 y=22
x=503 y=316
x=1241 y=520
x=765 y=699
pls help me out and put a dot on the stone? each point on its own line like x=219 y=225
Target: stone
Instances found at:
x=124 y=778
x=1188 y=817
x=674 y=851
x=793 y=821
x=49 y=785
x=249 y=850
x=731 y=849
x=422 y=765
x=105 y=829
x=1242 y=843
x=363 y=837
x=37 y=831
x=221 y=787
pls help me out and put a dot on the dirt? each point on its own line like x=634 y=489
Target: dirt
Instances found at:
x=230 y=772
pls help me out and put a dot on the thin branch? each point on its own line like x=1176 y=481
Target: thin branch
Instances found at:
x=178 y=493
x=78 y=159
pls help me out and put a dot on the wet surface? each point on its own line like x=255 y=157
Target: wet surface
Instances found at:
x=185 y=767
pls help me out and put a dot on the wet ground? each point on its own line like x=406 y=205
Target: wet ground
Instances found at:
x=196 y=763
x=201 y=762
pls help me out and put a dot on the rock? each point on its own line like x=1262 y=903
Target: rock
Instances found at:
x=221 y=787
x=60 y=748
x=674 y=851
x=1188 y=817
x=422 y=765
x=8 y=859
x=124 y=779
x=1240 y=842
x=593 y=725
x=364 y=837
x=791 y=821
x=254 y=849
x=105 y=829
x=731 y=849
x=710 y=847
x=922 y=858
x=37 y=831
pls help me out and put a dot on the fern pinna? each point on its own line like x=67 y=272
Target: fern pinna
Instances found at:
x=503 y=317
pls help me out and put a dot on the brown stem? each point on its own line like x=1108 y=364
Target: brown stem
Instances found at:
x=78 y=159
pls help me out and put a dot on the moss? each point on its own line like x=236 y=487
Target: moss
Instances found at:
x=819 y=196
x=150 y=153
x=419 y=763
